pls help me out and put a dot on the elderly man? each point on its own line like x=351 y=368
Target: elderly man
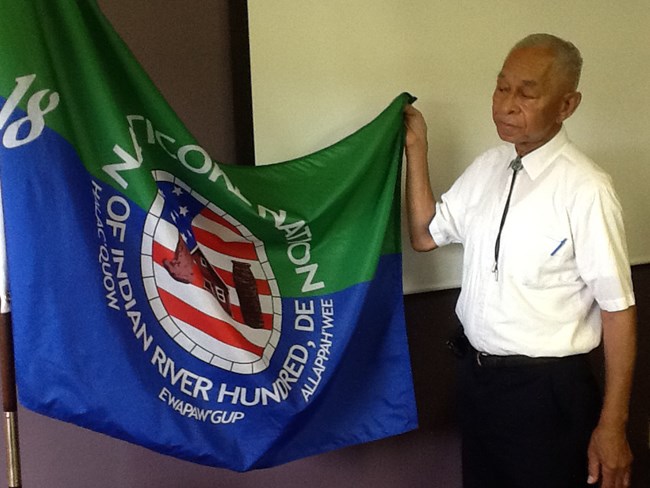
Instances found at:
x=545 y=276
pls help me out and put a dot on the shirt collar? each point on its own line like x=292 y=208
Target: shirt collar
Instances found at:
x=537 y=161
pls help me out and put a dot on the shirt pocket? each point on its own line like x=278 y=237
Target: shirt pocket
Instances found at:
x=542 y=258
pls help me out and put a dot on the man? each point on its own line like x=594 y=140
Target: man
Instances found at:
x=545 y=276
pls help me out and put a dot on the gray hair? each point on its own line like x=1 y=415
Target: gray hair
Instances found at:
x=567 y=57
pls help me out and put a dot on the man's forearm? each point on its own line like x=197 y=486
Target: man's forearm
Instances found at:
x=610 y=457
x=420 y=202
x=619 y=339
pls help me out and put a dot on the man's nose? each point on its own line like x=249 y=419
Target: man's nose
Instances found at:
x=508 y=103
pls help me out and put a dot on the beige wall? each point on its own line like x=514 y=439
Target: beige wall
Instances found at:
x=323 y=68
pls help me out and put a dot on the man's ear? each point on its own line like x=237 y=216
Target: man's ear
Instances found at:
x=570 y=103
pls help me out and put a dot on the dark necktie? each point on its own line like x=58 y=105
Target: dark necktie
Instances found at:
x=515 y=165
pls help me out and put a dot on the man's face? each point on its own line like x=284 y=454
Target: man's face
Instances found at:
x=528 y=104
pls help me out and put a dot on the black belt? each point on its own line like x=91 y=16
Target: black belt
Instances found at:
x=485 y=360
x=461 y=348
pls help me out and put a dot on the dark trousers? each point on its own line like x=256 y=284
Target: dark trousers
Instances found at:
x=527 y=426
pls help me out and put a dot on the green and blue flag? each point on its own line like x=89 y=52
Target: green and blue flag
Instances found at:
x=239 y=317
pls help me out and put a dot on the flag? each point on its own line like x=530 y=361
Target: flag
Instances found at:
x=239 y=317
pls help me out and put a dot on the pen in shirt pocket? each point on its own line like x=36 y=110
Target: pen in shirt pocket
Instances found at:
x=559 y=246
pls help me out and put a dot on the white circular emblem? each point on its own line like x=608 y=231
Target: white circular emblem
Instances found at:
x=208 y=280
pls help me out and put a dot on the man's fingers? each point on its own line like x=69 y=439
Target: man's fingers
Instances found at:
x=614 y=478
x=627 y=478
x=594 y=470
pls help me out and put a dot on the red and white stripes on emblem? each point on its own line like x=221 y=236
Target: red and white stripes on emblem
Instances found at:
x=218 y=332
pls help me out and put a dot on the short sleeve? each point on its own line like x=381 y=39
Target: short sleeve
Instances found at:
x=448 y=223
x=600 y=244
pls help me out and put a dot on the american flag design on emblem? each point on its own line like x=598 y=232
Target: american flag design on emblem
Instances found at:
x=208 y=280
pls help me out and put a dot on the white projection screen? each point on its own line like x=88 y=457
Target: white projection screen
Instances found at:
x=322 y=69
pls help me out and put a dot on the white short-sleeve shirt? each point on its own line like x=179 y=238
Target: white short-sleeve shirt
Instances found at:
x=562 y=257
